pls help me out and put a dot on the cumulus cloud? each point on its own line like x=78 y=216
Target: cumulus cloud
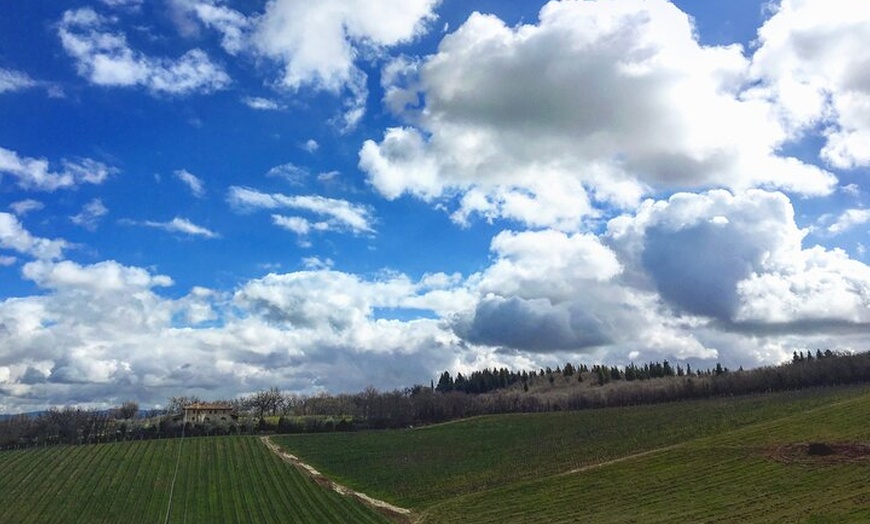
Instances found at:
x=105 y=58
x=597 y=101
x=101 y=278
x=318 y=43
x=340 y=215
x=193 y=182
x=824 y=289
x=329 y=298
x=740 y=259
x=77 y=336
x=90 y=214
x=35 y=173
x=102 y=333
x=14 y=81
x=534 y=324
x=812 y=61
x=548 y=264
x=550 y=292
x=13 y=236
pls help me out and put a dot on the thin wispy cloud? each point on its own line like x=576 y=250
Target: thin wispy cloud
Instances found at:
x=849 y=219
x=194 y=183
x=177 y=225
x=91 y=214
x=36 y=173
x=339 y=214
x=11 y=80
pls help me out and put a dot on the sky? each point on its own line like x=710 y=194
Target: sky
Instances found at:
x=213 y=197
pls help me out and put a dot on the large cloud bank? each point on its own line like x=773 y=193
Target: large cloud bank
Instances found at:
x=640 y=181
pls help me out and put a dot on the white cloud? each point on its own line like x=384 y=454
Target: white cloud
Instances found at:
x=812 y=60
x=14 y=81
x=105 y=58
x=739 y=259
x=548 y=292
x=298 y=225
x=318 y=42
x=101 y=278
x=183 y=226
x=339 y=214
x=132 y=4
x=233 y=26
x=547 y=264
x=102 y=333
x=90 y=214
x=813 y=286
x=598 y=101
x=849 y=219
x=35 y=174
x=7 y=260
x=22 y=207
x=193 y=182
x=341 y=301
x=311 y=145
x=262 y=104
x=290 y=172
x=13 y=236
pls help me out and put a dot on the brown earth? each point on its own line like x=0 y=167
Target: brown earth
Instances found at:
x=821 y=453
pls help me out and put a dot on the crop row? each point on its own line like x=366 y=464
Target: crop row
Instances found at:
x=420 y=467
x=732 y=477
x=220 y=479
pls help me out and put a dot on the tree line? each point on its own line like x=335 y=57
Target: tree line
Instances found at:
x=488 y=391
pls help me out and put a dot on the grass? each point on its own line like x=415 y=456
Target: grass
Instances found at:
x=220 y=479
x=419 y=468
x=722 y=478
x=718 y=460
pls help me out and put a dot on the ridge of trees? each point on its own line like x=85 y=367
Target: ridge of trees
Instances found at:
x=488 y=391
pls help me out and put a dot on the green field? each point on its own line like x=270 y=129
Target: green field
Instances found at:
x=708 y=461
x=739 y=459
x=220 y=479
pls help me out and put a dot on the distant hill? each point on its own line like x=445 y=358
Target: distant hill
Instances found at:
x=6 y=416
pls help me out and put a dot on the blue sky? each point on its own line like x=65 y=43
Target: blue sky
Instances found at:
x=213 y=197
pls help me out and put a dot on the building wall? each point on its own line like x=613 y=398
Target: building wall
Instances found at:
x=202 y=415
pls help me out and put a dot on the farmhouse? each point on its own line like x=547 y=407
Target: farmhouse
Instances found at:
x=204 y=412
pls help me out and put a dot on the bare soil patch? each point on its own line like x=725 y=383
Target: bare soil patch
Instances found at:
x=821 y=453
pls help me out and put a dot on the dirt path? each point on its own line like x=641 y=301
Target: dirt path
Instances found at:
x=395 y=513
x=597 y=465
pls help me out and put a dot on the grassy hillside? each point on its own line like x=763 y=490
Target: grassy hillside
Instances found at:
x=761 y=473
x=724 y=460
x=220 y=479
x=511 y=456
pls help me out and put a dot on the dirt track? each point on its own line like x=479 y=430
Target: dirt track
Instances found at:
x=394 y=512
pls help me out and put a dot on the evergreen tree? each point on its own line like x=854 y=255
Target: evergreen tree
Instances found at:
x=445 y=383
